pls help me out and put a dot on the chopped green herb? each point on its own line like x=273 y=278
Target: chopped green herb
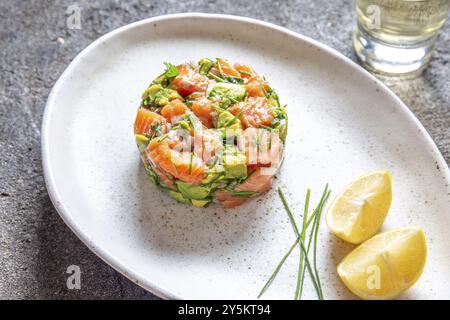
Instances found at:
x=190 y=163
x=171 y=70
x=244 y=194
x=219 y=67
x=163 y=137
x=229 y=123
x=155 y=129
x=218 y=79
x=205 y=65
x=157 y=96
x=265 y=127
x=246 y=73
x=227 y=79
x=152 y=175
x=248 y=176
x=234 y=80
x=226 y=93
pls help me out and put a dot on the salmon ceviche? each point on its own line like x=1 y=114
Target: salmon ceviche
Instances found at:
x=211 y=131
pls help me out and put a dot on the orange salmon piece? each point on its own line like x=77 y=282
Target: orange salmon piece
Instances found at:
x=202 y=108
x=188 y=81
x=262 y=148
x=257 y=183
x=254 y=112
x=207 y=145
x=256 y=87
x=164 y=177
x=245 y=70
x=173 y=109
x=144 y=121
x=227 y=200
x=254 y=84
x=225 y=68
x=185 y=166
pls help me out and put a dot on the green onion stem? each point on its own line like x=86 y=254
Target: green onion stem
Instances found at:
x=231 y=121
x=304 y=262
x=300 y=263
x=311 y=274
x=299 y=239
x=307 y=252
x=219 y=67
x=246 y=73
x=316 y=232
x=313 y=235
x=217 y=108
x=289 y=212
x=277 y=269
x=215 y=77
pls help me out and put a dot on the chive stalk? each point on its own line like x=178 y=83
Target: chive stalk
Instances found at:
x=304 y=261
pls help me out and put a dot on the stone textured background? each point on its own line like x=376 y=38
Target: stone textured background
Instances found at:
x=36 y=247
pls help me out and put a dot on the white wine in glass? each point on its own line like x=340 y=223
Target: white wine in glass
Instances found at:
x=397 y=36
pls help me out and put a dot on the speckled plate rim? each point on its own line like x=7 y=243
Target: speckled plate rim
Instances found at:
x=52 y=188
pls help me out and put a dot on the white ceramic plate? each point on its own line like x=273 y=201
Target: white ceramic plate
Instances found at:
x=343 y=122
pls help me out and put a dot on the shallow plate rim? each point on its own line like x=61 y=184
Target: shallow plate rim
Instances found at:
x=51 y=186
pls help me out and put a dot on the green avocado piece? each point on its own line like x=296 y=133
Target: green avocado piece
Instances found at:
x=205 y=65
x=141 y=141
x=272 y=99
x=235 y=165
x=157 y=95
x=229 y=134
x=141 y=138
x=227 y=120
x=152 y=174
x=200 y=203
x=178 y=196
x=229 y=93
x=214 y=174
x=173 y=94
x=192 y=192
x=210 y=177
x=282 y=129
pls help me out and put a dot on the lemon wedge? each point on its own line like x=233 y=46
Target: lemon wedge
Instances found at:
x=385 y=265
x=357 y=213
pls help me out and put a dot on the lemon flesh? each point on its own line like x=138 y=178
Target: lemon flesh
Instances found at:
x=385 y=265
x=358 y=212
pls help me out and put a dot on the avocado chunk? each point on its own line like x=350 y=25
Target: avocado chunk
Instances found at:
x=200 y=203
x=230 y=134
x=141 y=138
x=157 y=95
x=141 y=141
x=227 y=120
x=272 y=99
x=205 y=65
x=228 y=93
x=178 y=196
x=215 y=174
x=282 y=129
x=210 y=177
x=152 y=174
x=190 y=191
x=235 y=165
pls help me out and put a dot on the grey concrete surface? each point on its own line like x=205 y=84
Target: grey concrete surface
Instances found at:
x=36 y=247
